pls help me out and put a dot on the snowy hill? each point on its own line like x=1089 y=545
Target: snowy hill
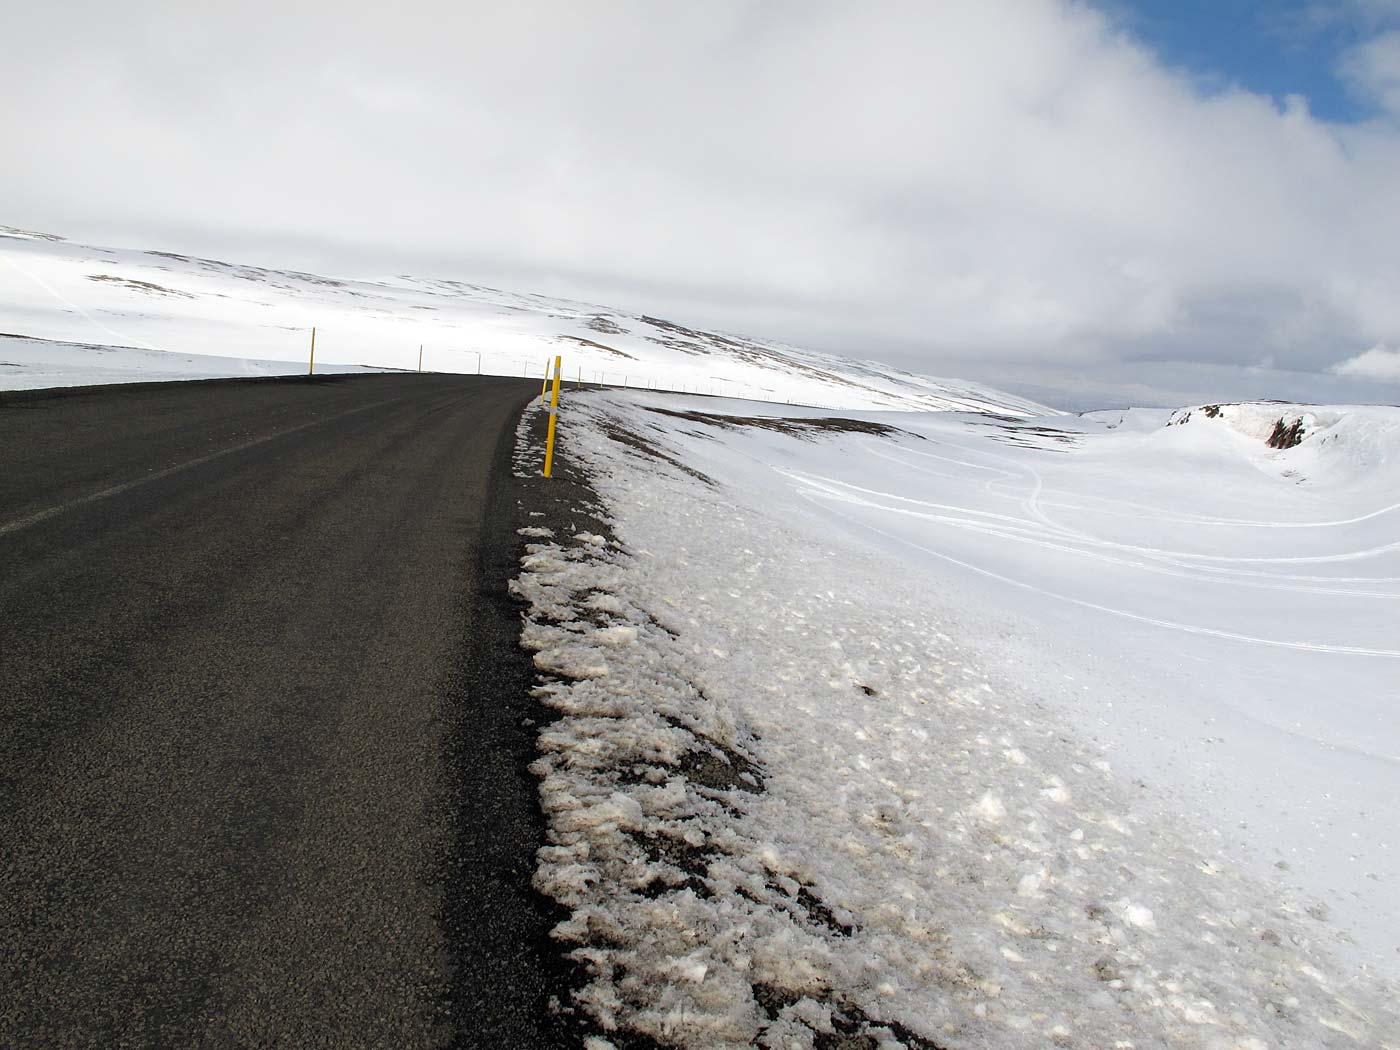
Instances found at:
x=66 y=293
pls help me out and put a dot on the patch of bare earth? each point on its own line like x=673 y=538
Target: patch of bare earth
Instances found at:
x=801 y=427
x=145 y=287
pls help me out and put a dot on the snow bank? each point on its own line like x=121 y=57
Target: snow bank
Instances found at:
x=796 y=792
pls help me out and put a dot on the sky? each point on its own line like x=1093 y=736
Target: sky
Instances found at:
x=1139 y=197
x=1275 y=48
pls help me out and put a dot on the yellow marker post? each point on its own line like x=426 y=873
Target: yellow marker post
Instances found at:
x=311 y=368
x=420 y=357
x=544 y=384
x=553 y=416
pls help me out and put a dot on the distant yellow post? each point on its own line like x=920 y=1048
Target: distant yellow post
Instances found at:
x=553 y=416
x=544 y=384
x=420 y=357
x=311 y=368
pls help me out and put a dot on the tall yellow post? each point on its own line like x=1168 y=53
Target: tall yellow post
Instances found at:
x=311 y=368
x=553 y=416
x=420 y=357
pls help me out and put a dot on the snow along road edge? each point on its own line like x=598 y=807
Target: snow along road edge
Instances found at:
x=633 y=772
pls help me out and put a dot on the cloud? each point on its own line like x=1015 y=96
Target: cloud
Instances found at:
x=1005 y=180
x=1379 y=363
x=1373 y=70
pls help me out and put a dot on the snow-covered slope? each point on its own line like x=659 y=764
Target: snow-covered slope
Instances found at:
x=1080 y=732
x=1332 y=445
x=34 y=364
x=55 y=290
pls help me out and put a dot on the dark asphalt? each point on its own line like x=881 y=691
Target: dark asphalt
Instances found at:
x=262 y=737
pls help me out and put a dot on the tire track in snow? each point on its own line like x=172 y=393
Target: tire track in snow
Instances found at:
x=1107 y=504
x=1021 y=530
x=815 y=489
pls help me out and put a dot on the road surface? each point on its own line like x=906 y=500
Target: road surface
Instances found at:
x=261 y=750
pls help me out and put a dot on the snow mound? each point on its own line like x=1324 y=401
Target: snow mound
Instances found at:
x=1328 y=443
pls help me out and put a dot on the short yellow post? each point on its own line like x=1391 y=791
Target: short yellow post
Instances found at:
x=420 y=357
x=311 y=368
x=544 y=384
x=553 y=416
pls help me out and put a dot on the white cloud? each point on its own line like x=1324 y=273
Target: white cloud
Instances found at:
x=1011 y=180
x=1373 y=69
x=1379 y=363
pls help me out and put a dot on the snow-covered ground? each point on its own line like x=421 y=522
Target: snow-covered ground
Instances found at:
x=33 y=364
x=1078 y=732
x=59 y=293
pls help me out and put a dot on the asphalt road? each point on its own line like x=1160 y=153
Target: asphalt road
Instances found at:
x=261 y=748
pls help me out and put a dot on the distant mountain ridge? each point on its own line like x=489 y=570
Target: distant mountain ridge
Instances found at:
x=55 y=289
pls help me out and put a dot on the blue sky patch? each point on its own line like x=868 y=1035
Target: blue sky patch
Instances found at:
x=1274 y=48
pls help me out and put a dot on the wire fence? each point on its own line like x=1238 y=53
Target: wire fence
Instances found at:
x=461 y=361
